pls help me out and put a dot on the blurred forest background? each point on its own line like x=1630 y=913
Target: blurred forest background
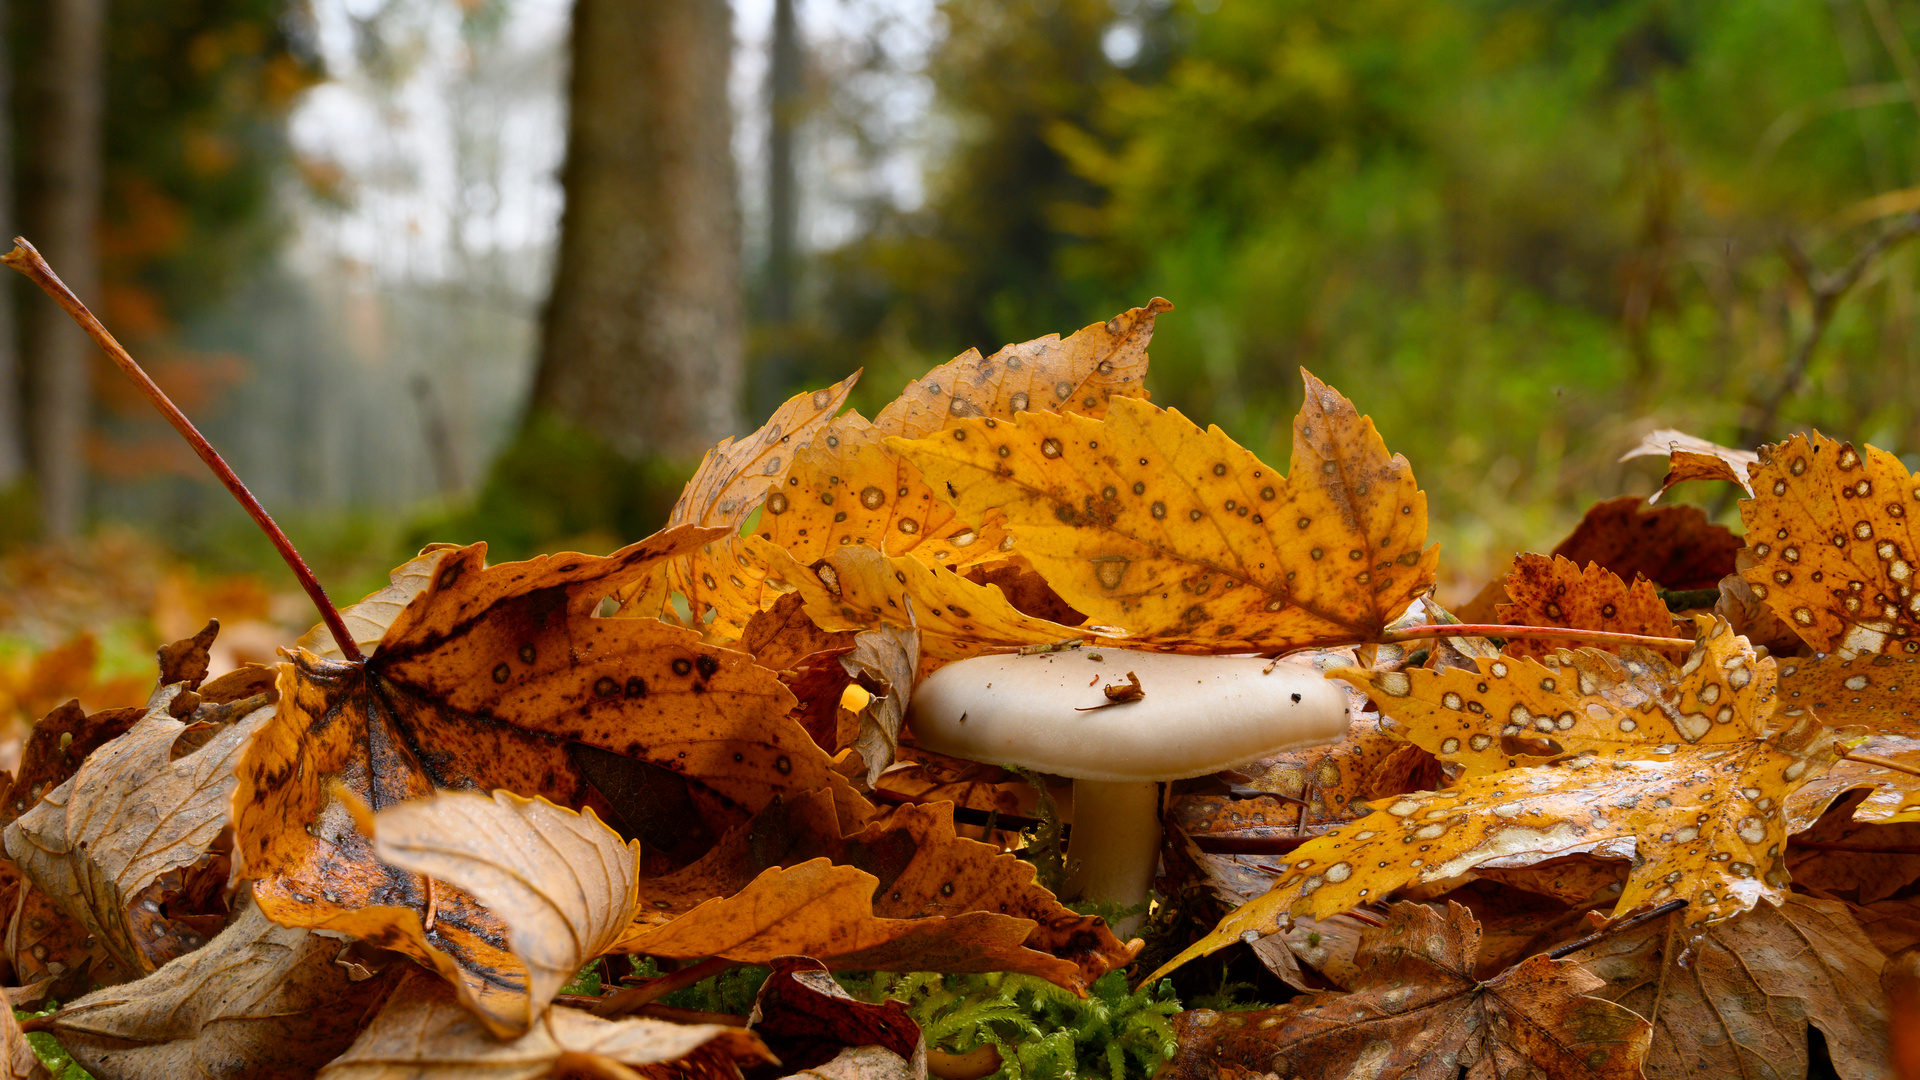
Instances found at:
x=498 y=269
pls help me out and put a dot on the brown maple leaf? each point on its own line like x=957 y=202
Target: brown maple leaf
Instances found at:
x=1416 y=1010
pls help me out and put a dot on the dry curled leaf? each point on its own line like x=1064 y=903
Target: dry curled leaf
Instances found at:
x=258 y=1002
x=1705 y=824
x=367 y=621
x=500 y=678
x=1675 y=546
x=734 y=476
x=1514 y=711
x=564 y=884
x=129 y=814
x=1186 y=539
x=423 y=1033
x=1692 y=458
x=1554 y=591
x=1829 y=528
x=1735 y=998
x=1417 y=1011
x=883 y=662
x=20 y=1062
x=55 y=748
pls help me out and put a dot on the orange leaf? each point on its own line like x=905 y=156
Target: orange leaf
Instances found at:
x=1834 y=553
x=1552 y=591
x=1693 y=458
x=1184 y=538
x=498 y=677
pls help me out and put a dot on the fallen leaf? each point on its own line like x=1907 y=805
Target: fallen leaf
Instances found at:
x=1735 y=998
x=186 y=661
x=1417 y=1011
x=1111 y=513
x=258 y=1001
x=21 y=1062
x=1517 y=711
x=56 y=747
x=858 y=588
x=499 y=678
x=1886 y=861
x=1693 y=458
x=883 y=662
x=1026 y=590
x=423 y=1033
x=807 y=1019
x=1875 y=694
x=784 y=636
x=734 y=476
x=867 y=1063
x=1553 y=591
x=907 y=895
x=46 y=944
x=564 y=884
x=1750 y=616
x=129 y=814
x=1704 y=822
x=1828 y=528
x=1675 y=546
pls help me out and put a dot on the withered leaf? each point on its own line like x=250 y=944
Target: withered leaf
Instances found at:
x=907 y=895
x=499 y=678
x=1554 y=591
x=1876 y=694
x=367 y=621
x=1675 y=546
x=784 y=636
x=1416 y=1011
x=564 y=884
x=1183 y=537
x=734 y=476
x=258 y=1001
x=423 y=1033
x=883 y=661
x=129 y=814
x=21 y=1063
x=1705 y=822
x=1693 y=458
x=55 y=748
x=187 y=661
x=1515 y=711
x=1834 y=551
x=806 y=1018
x=1867 y=862
x=1735 y=998
x=866 y=1063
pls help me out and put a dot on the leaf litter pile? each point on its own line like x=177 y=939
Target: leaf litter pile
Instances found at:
x=658 y=813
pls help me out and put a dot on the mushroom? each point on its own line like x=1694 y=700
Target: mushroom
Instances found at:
x=1193 y=715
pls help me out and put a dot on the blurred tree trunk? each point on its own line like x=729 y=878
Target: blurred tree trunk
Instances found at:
x=13 y=450
x=643 y=340
x=62 y=109
x=777 y=374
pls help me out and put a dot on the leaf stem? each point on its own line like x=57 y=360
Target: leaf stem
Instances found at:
x=1554 y=633
x=1647 y=916
x=1869 y=759
x=28 y=261
x=653 y=989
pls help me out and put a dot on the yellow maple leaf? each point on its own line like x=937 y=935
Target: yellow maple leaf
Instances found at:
x=1187 y=540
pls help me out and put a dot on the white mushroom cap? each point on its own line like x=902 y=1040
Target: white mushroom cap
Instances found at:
x=1198 y=715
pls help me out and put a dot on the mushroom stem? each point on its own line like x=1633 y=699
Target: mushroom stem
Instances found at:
x=1115 y=845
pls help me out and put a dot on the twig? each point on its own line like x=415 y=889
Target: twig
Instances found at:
x=1648 y=916
x=1532 y=633
x=1869 y=759
x=28 y=261
x=647 y=992
x=1826 y=295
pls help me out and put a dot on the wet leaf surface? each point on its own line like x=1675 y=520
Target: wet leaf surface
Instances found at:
x=1554 y=591
x=1187 y=540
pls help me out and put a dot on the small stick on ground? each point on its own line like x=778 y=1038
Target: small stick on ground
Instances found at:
x=1531 y=633
x=1869 y=759
x=633 y=997
x=28 y=261
x=1577 y=944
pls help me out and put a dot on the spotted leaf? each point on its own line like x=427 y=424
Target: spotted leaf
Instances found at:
x=1416 y=1010
x=1704 y=822
x=1675 y=546
x=858 y=588
x=1187 y=540
x=1555 y=591
x=734 y=476
x=499 y=678
x=1834 y=546
x=1516 y=711
x=1876 y=694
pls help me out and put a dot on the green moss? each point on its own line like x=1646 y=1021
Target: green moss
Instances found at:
x=54 y=1056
